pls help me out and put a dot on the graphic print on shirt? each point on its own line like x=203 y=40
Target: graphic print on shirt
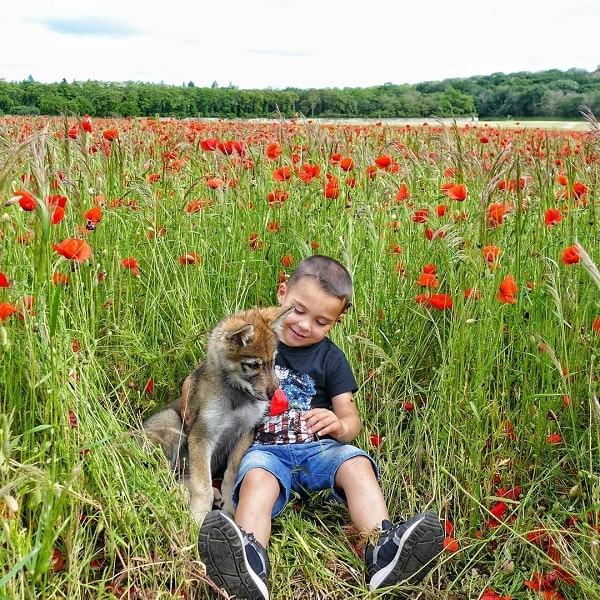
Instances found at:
x=298 y=387
x=289 y=427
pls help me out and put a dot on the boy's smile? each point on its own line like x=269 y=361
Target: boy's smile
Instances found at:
x=315 y=312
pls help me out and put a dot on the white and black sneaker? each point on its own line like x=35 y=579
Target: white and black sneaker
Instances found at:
x=234 y=560
x=404 y=552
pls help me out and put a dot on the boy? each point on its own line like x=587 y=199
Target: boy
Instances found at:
x=308 y=448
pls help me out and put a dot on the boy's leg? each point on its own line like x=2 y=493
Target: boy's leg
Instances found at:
x=234 y=560
x=233 y=557
x=403 y=552
x=366 y=504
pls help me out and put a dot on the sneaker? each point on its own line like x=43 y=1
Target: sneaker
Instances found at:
x=404 y=552
x=234 y=560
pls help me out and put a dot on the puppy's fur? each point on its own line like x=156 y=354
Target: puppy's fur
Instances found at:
x=221 y=402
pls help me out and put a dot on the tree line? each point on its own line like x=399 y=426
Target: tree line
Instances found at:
x=551 y=94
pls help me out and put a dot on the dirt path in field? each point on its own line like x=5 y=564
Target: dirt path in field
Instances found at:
x=581 y=125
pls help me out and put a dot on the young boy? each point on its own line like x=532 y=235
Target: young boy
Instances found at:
x=308 y=448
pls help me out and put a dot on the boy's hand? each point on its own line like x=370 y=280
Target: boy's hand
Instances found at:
x=321 y=421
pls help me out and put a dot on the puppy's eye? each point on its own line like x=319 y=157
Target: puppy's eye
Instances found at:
x=252 y=365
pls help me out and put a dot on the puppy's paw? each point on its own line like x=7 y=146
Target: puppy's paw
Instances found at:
x=217 y=499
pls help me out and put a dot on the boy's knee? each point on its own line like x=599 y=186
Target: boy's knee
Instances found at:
x=355 y=467
x=258 y=477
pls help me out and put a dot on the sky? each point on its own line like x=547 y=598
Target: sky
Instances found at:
x=261 y=44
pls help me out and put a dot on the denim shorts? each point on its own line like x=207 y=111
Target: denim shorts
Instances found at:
x=300 y=468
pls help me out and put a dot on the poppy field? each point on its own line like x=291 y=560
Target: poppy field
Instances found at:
x=474 y=335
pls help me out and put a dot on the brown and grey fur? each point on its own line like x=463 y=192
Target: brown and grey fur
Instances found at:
x=221 y=402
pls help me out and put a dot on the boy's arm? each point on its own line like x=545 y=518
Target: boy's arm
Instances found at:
x=342 y=423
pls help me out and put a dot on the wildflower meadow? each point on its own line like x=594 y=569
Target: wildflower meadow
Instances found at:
x=474 y=335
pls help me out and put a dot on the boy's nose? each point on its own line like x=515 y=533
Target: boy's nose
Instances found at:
x=304 y=324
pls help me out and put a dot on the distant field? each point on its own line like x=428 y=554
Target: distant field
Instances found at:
x=581 y=125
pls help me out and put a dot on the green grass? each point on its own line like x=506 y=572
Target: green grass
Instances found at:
x=85 y=512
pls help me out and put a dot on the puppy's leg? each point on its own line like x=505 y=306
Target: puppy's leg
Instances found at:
x=165 y=429
x=200 y=480
x=233 y=464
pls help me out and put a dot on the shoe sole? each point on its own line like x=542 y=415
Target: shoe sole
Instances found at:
x=420 y=544
x=221 y=548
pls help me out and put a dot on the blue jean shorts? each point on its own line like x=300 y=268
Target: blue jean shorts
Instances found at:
x=300 y=468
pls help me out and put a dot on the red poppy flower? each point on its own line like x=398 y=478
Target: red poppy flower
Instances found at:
x=440 y=301
x=274 y=151
x=57 y=214
x=471 y=294
x=497 y=212
x=383 y=161
x=507 y=291
x=421 y=299
x=60 y=279
x=26 y=199
x=552 y=216
x=596 y=324
x=57 y=562
x=309 y=172
x=57 y=200
x=93 y=214
x=110 y=135
x=189 y=259
x=86 y=124
x=376 y=440
x=195 y=206
x=255 y=242
x=428 y=280
x=421 y=215
x=403 y=193
x=450 y=544
x=149 y=387
x=282 y=174
x=214 y=183
x=332 y=187
x=74 y=249
x=132 y=264
x=6 y=310
x=287 y=260
x=579 y=189
x=4 y=280
x=153 y=177
x=209 y=144
x=346 y=164
x=570 y=255
x=499 y=509
x=277 y=197
x=457 y=192
x=491 y=253
x=554 y=438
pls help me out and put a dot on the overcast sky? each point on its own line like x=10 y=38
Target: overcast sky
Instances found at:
x=293 y=43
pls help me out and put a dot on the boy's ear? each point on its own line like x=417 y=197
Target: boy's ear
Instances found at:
x=281 y=292
x=341 y=315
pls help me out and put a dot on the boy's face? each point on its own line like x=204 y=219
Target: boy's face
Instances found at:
x=315 y=312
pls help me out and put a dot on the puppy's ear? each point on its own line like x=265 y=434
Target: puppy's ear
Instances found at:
x=242 y=335
x=282 y=313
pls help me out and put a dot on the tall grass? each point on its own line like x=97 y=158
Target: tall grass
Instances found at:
x=459 y=405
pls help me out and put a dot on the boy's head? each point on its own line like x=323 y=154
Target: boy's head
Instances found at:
x=320 y=289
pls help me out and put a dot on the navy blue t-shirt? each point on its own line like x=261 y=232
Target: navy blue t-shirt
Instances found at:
x=310 y=377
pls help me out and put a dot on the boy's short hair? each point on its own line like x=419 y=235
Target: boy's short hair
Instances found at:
x=330 y=274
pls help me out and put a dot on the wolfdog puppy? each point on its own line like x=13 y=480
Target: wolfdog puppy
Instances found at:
x=221 y=402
